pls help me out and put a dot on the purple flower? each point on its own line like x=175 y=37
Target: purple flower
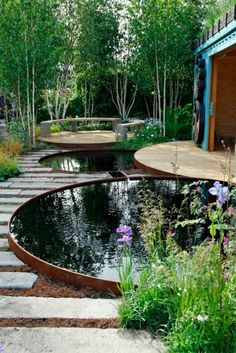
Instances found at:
x=124 y=230
x=220 y=191
x=2 y=349
x=125 y=239
x=225 y=241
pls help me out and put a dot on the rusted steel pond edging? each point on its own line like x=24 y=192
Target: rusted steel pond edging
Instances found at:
x=76 y=279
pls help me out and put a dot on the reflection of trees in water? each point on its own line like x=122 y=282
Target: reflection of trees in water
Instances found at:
x=92 y=161
x=75 y=228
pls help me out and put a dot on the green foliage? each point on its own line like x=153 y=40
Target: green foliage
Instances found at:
x=8 y=167
x=18 y=133
x=179 y=123
x=143 y=136
x=186 y=295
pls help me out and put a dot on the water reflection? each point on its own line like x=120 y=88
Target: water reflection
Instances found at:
x=75 y=229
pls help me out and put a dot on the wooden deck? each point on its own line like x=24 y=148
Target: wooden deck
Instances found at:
x=191 y=160
x=81 y=139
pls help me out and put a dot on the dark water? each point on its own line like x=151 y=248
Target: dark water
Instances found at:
x=91 y=161
x=75 y=229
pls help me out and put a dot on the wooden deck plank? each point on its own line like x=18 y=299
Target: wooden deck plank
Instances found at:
x=81 y=138
x=191 y=160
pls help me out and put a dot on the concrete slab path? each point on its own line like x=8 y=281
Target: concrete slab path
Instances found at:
x=9 y=259
x=78 y=340
x=17 y=280
x=65 y=308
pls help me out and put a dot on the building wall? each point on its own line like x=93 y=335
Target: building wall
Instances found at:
x=225 y=124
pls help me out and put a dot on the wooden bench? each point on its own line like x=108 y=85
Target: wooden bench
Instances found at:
x=122 y=129
x=46 y=125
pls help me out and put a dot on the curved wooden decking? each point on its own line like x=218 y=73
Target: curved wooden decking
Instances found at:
x=81 y=139
x=190 y=160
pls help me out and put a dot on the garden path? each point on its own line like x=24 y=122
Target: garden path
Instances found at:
x=34 y=181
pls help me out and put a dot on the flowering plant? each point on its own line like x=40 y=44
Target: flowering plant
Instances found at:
x=125 y=267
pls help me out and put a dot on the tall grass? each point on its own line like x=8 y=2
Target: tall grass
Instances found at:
x=186 y=295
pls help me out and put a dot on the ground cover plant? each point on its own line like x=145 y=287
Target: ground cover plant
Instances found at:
x=9 y=151
x=186 y=291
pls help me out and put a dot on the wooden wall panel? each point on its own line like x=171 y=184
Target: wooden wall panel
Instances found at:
x=225 y=123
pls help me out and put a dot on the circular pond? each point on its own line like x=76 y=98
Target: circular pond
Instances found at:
x=91 y=161
x=75 y=228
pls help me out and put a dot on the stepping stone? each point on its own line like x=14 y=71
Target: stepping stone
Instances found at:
x=32 y=193
x=4 y=244
x=78 y=340
x=25 y=166
x=8 y=192
x=38 y=170
x=7 y=208
x=66 y=308
x=31 y=180
x=5 y=184
x=38 y=186
x=17 y=280
x=5 y=218
x=48 y=175
x=3 y=230
x=13 y=200
x=9 y=259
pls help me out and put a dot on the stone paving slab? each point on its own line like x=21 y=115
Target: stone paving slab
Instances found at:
x=9 y=259
x=38 y=170
x=5 y=218
x=3 y=243
x=27 y=165
x=13 y=200
x=48 y=175
x=8 y=192
x=31 y=193
x=78 y=340
x=5 y=184
x=32 y=179
x=67 y=308
x=38 y=186
x=16 y=280
x=3 y=230
x=7 y=208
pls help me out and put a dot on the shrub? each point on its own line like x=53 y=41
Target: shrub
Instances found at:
x=11 y=148
x=18 y=134
x=188 y=295
x=8 y=167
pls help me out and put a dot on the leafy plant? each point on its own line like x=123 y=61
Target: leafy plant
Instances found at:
x=188 y=295
x=8 y=167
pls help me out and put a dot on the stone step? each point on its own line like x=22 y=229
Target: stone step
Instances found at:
x=65 y=308
x=9 y=192
x=3 y=230
x=33 y=179
x=5 y=184
x=38 y=185
x=77 y=340
x=31 y=193
x=17 y=280
x=4 y=244
x=9 y=259
x=12 y=200
x=38 y=170
x=5 y=218
x=47 y=175
x=25 y=166
x=7 y=208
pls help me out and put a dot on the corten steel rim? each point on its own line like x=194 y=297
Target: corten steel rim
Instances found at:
x=76 y=279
